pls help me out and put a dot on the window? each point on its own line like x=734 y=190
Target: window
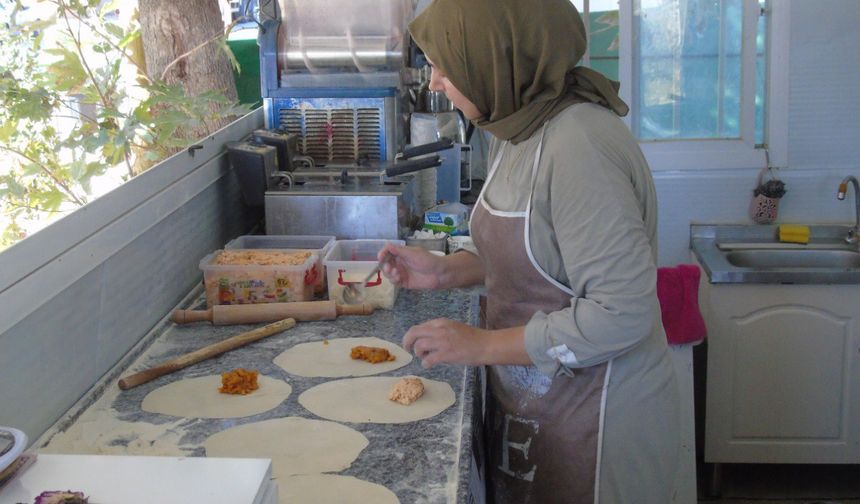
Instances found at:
x=705 y=79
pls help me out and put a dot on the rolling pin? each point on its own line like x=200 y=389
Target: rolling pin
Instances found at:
x=267 y=312
x=204 y=353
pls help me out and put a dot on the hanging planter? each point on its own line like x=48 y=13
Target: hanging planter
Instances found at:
x=765 y=203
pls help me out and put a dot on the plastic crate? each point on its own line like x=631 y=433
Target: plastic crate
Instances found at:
x=317 y=244
x=256 y=283
x=350 y=261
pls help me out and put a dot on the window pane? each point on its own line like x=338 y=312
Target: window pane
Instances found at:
x=603 y=37
x=601 y=22
x=689 y=68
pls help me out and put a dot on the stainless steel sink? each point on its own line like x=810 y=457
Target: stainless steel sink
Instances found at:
x=811 y=258
x=752 y=254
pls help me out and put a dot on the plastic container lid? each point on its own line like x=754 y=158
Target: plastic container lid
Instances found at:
x=281 y=241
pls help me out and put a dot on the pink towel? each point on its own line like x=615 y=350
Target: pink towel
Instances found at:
x=678 y=291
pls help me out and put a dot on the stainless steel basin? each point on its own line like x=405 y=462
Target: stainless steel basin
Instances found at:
x=753 y=254
x=768 y=259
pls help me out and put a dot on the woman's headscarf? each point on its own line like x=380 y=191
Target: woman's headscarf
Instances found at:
x=514 y=59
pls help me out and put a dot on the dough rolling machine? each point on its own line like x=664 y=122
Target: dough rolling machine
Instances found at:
x=339 y=83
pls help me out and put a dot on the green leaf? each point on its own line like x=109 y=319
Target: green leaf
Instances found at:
x=69 y=74
x=128 y=38
x=30 y=169
x=15 y=187
x=76 y=169
x=51 y=199
x=234 y=63
x=95 y=169
x=38 y=25
x=114 y=30
x=7 y=129
x=11 y=233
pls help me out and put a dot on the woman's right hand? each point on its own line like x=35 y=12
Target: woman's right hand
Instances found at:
x=412 y=267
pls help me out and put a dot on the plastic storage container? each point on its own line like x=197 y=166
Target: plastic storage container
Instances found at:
x=350 y=261
x=319 y=245
x=254 y=283
x=456 y=243
x=438 y=244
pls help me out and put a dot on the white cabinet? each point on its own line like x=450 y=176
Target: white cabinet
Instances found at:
x=783 y=378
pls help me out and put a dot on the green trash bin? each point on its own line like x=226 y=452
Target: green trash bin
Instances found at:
x=243 y=43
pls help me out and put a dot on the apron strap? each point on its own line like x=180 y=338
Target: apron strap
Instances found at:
x=564 y=288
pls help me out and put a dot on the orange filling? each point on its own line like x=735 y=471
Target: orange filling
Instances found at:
x=373 y=355
x=239 y=381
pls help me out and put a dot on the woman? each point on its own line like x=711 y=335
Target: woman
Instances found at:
x=582 y=403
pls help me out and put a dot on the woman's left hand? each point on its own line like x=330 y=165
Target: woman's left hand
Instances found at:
x=445 y=341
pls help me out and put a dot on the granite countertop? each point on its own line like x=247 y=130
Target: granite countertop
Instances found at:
x=427 y=461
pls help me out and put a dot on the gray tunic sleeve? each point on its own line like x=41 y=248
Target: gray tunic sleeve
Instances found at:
x=589 y=195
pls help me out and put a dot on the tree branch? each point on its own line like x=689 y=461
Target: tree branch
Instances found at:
x=105 y=101
x=57 y=180
x=28 y=207
x=106 y=38
x=77 y=42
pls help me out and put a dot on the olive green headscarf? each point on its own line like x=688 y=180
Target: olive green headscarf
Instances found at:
x=514 y=59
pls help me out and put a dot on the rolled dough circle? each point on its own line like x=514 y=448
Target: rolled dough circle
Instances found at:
x=295 y=445
x=332 y=489
x=331 y=359
x=363 y=400
x=199 y=398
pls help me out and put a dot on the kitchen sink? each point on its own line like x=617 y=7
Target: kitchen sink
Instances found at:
x=810 y=258
x=752 y=254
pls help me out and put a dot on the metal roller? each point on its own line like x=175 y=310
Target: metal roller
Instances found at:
x=363 y=35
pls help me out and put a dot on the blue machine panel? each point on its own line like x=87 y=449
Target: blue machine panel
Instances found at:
x=350 y=126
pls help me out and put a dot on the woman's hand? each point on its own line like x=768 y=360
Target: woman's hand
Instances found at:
x=446 y=341
x=416 y=268
x=412 y=267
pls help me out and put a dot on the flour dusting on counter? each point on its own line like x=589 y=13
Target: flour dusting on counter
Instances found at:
x=99 y=432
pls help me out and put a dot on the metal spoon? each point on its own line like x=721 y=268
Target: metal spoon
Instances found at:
x=354 y=292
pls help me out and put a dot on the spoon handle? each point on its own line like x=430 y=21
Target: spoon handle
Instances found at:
x=376 y=269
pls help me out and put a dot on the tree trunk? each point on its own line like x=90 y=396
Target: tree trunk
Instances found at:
x=169 y=30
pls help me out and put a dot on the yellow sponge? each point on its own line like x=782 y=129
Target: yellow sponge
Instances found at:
x=793 y=233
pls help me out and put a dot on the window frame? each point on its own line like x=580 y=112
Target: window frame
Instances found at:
x=702 y=154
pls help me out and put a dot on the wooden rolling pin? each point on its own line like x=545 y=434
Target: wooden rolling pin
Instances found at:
x=204 y=353
x=267 y=312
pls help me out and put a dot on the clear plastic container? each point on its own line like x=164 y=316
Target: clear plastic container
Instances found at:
x=456 y=243
x=439 y=244
x=319 y=245
x=255 y=283
x=350 y=261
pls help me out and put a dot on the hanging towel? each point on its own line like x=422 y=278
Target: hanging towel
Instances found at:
x=678 y=292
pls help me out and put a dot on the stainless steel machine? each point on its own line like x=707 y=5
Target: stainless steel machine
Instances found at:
x=340 y=79
x=370 y=199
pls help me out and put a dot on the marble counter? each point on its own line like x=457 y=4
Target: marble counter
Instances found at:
x=427 y=461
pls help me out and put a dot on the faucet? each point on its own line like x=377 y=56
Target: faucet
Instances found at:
x=853 y=233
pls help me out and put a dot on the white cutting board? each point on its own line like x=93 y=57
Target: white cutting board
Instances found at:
x=109 y=479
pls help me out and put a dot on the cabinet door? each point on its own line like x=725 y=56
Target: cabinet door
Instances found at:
x=782 y=379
